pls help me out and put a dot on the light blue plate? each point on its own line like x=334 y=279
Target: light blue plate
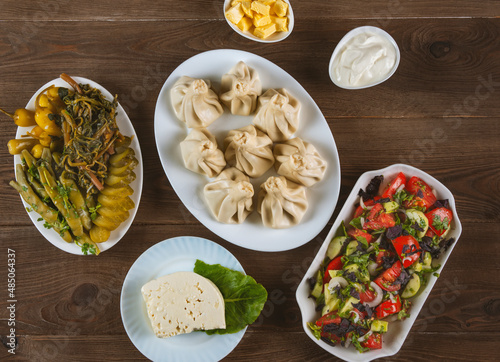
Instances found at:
x=166 y=257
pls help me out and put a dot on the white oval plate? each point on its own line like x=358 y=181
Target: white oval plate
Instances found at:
x=274 y=38
x=393 y=340
x=127 y=129
x=169 y=132
x=166 y=257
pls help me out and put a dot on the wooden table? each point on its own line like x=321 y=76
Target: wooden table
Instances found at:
x=439 y=112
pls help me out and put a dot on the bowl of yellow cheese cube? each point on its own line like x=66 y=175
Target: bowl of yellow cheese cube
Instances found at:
x=266 y=21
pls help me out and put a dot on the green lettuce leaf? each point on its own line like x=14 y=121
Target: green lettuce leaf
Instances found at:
x=244 y=298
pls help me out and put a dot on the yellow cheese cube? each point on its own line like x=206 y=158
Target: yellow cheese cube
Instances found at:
x=235 y=14
x=245 y=5
x=268 y=2
x=260 y=8
x=245 y=24
x=261 y=20
x=280 y=8
x=281 y=23
x=265 y=31
x=234 y=2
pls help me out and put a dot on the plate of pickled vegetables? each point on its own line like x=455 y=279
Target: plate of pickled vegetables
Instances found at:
x=78 y=165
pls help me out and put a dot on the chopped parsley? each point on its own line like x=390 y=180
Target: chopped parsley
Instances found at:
x=440 y=224
x=88 y=248
x=93 y=211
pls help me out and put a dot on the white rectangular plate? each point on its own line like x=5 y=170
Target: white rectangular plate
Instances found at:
x=393 y=340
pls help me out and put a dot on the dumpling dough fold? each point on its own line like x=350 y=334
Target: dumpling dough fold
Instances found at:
x=200 y=153
x=240 y=88
x=281 y=203
x=299 y=161
x=277 y=114
x=249 y=150
x=194 y=102
x=229 y=196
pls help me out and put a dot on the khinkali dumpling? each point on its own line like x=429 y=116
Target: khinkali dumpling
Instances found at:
x=249 y=150
x=240 y=88
x=194 y=102
x=229 y=196
x=200 y=153
x=277 y=114
x=281 y=203
x=299 y=161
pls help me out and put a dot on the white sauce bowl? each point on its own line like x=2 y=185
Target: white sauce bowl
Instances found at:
x=348 y=37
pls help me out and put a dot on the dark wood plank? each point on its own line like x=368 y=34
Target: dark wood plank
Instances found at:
x=256 y=346
x=132 y=10
x=448 y=66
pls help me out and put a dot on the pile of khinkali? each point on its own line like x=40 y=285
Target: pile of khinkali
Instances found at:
x=248 y=151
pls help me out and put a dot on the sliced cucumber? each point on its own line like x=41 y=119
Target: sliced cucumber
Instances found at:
x=361 y=273
x=329 y=296
x=335 y=273
x=325 y=310
x=379 y=326
x=333 y=305
x=348 y=306
x=390 y=206
x=351 y=247
x=418 y=217
x=335 y=246
x=372 y=268
x=445 y=233
x=327 y=293
x=318 y=287
x=427 y=265
x=351 y=268
x=416 y=267
x=412 y=287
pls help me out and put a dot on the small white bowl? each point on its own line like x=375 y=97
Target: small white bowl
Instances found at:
x=347 y=38
x=274 y=38
x=393 y=340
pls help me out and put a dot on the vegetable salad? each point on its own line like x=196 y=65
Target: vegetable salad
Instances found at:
x=379 y=261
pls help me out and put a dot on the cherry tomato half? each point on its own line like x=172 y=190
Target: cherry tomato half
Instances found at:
x=377 y=218
x=388 y=307
x=395 y=184
x=424 y=197
x=359 y=210
x=366 y=296
x=360 y=235
x=329 y=318
x=373 y=342
x=335 y=264
x=405 y=246
x=439 y=220
x=388 y=277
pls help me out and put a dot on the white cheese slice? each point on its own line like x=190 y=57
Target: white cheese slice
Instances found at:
x=183 y=302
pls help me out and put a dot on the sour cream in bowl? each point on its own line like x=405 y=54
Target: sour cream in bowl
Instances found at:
x=364 y=57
